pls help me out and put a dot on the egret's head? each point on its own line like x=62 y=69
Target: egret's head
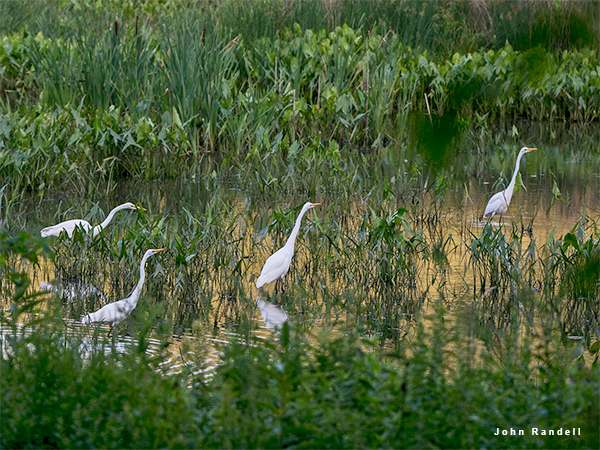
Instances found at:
x=309 y=205
x=527 y=149
x=130 y=205
x=151 y=252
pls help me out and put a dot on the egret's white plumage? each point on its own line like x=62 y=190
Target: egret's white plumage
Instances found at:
x=273 y=315
x=499 y=202
x=116 y=312
x=70 y=225
x=278 y=264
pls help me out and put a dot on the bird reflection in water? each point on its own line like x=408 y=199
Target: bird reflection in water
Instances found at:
x=273 y=315
x=73 y=290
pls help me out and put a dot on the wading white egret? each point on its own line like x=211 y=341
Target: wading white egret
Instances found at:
x=278 y=264
x=116 y=312
x=499 y=202
x=70 y=225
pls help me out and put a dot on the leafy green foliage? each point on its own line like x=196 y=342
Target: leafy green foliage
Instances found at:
x=65 y=392
x=335 y=393
x=100 y=104
x=576 y=260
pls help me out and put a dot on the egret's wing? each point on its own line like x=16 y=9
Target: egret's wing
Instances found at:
x=112 y=313
x=98 y=316
x=496 y=206
x=276 y=266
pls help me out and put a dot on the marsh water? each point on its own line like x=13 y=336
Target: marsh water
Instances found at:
x=394 y=238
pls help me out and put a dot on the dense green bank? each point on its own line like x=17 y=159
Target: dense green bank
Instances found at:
x=106 y=99
x=287 y=394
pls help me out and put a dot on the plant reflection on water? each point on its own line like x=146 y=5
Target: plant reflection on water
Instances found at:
x=386 y=245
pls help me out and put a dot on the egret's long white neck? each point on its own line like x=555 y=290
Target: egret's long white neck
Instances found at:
x=99 y=228
x=511 y=186
x=135 y=295
x=292 y=239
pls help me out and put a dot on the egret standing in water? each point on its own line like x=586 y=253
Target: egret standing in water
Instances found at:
x=116 y=312
x=70 y=225
x=499 y=202
x=278 y=264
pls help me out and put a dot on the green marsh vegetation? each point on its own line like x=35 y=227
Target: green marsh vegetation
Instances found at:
x=409 y=317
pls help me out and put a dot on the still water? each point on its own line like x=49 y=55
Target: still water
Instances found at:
x=220 y=229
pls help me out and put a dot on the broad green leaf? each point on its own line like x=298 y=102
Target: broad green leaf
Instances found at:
x=556 y=192
x=176 y=119
x=520 y=181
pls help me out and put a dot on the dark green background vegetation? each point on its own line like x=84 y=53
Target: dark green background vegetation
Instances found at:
x=102 y=91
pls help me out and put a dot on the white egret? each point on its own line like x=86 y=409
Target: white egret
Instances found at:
x=278 y=264
x=116 y=312
x=70 y=225
x=499 y=202
x=273 y=315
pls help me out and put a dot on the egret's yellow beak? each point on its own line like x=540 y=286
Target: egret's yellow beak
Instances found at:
x=160 y=250
x=315 y=204
x=139 y=207
x=531 y=149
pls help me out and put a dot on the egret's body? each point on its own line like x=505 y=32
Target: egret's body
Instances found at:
x=499 y=202
x=278 y=264
x=70 y=225
x=116 y=312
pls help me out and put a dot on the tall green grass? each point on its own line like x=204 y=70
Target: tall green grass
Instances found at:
x=439 y=26
x=112 y=100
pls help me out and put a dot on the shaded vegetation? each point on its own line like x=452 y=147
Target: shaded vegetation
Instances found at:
x=104 y=94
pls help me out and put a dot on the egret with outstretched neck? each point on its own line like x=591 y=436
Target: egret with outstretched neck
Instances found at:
x=499 y=202
x=278 y=264
x=116 y=312
x=70 y=225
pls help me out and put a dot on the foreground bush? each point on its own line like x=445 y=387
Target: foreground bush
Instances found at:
x=436 y=391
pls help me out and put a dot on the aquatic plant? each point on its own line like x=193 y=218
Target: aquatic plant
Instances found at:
x=572 y=279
